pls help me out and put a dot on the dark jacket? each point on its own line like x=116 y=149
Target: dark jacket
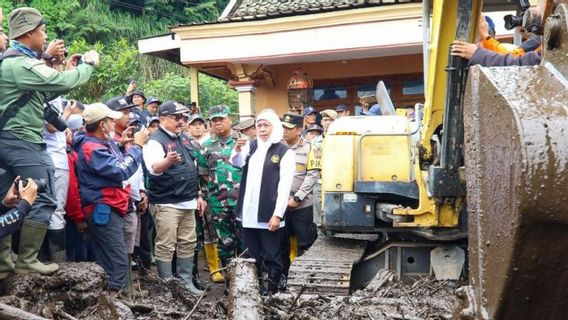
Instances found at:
x=11 y=218
x=102 y=168
x=488 y=58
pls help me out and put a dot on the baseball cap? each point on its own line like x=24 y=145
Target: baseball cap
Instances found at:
x=308 y=110
x=172 y=107
x=196 y=116
x=99 y=111
x=313 y=127
x=134 y=119
x=152 y=119
x=220 y=111
x=152 y=100
x=118 y=103
x=292 y=120
x=375 y=110
x=329 y=113
x=23 y=20
x=244 y=124
x=341 y=108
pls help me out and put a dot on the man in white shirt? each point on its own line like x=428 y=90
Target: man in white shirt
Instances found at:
x=264 y=193
x=173 y=189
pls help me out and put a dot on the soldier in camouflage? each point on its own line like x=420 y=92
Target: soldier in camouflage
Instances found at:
x=222 y=185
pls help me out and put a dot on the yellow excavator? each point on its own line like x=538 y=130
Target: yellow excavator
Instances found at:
x=476 y=188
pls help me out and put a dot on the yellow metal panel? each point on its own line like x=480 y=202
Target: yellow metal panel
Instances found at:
x=385 y=158
x=338 y=163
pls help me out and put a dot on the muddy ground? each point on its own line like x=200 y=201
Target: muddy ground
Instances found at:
x=77 y=292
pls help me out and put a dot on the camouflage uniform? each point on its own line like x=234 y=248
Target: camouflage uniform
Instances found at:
x=222 y=191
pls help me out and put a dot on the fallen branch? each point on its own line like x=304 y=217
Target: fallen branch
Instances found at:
x=12 y=313
x=195 y=306
x=293 y=305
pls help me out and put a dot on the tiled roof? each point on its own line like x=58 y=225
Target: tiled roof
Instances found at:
x=245 y=10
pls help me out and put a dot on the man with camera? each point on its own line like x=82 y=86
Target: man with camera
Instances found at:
x=14 y=208
x=27 y=82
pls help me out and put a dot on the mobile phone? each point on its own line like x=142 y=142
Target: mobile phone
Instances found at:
x=132 y=81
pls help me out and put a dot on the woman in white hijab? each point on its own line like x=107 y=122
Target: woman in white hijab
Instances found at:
x=268 y=170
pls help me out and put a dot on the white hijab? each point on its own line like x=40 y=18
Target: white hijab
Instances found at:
x=277 y=131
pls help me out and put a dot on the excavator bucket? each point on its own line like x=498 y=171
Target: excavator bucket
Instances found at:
x=516 y=154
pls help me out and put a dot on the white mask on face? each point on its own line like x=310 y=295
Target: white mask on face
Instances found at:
x=109 y=135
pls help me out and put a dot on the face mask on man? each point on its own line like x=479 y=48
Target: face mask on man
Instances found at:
x=109 y=135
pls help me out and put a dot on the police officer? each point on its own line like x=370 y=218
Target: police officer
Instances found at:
x=21 y=126
x=223 y=188
x=300 y=228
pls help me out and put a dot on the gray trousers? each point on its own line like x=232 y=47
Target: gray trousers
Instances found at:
x=110 y=249
x=28 y=160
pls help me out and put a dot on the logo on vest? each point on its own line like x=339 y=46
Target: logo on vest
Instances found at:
x=275 y=158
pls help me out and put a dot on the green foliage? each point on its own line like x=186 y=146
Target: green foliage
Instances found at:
x=113 y=29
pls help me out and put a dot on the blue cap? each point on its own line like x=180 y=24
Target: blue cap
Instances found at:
x=375 y=110
x=152 y=119
x=491 y=25
x=308 y=110
x=152 y=100
x=196 y=116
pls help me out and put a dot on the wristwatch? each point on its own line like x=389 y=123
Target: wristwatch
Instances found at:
x=297 y=199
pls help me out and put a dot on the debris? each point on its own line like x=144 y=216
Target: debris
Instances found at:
x=11 y=313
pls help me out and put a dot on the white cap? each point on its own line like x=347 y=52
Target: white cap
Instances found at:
x=98 y=111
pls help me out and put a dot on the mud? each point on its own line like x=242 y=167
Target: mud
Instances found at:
x=77 y=291
x=382 y=299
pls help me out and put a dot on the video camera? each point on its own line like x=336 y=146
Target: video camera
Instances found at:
x=41 y=185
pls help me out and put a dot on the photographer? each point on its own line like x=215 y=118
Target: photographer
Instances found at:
x=22 y=121
x=14 y=208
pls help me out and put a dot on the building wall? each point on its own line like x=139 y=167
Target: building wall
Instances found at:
x=276 y=97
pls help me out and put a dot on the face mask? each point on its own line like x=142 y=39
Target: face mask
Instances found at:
x=110 y=134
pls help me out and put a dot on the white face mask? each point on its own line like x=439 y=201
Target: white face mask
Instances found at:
x=110 y=134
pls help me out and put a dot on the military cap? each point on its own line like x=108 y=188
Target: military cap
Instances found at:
x=171 y=107
x=196 y=116
x=244 y=124
x=24 y=20
x=119 y=103
x=292 y=120
x=220 y=111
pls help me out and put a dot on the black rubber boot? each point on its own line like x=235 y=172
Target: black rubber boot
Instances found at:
x=273 y=281
x=224 y=264
x=195 y=273
x=261 y=286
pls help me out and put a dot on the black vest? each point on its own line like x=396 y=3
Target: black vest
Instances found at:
x=179 y=182
x=269 y=182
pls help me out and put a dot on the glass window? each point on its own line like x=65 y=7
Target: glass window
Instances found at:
x=366 y=90
x=330 y=93
x=413 y=87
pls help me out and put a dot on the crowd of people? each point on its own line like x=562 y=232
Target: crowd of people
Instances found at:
x=135 y=182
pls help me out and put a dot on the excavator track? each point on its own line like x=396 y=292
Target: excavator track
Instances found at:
x=326 y=267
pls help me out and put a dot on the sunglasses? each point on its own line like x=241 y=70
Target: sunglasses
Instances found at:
x=178 y=117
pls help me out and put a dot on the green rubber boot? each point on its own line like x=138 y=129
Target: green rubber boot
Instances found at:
x=31 y=237
x=6 y=263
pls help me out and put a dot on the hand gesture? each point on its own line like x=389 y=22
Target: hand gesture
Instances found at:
x=241 y=141
x=173 y=158
x=463 y=49
x=29 y=192
x=91 y=57
x=141 y=136
x=126 y=136
x=131 y=87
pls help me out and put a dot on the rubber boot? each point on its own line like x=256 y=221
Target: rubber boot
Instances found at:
x=293 y=248
x=6 y=263
x=184 y=268
x=195 y=273
x=261 y=287
x=273 y=281
x=56 y=247
x=212 y=255
x=31 y=237
x=224 y=264
x=164 y=269
x=128 y=293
